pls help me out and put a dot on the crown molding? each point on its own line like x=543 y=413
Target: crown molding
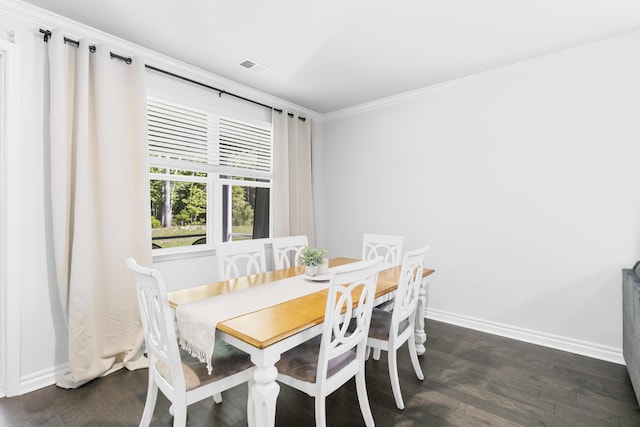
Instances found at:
x=420 y=94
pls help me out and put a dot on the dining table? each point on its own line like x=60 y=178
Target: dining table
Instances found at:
x=267 y=332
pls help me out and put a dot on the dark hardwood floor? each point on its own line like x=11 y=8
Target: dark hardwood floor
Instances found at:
x=471 y=379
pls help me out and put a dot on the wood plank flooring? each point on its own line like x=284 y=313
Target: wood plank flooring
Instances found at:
x=471 y=379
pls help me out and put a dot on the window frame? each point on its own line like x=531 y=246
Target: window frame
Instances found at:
x=217 y=177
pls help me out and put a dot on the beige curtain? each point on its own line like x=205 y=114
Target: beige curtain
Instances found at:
x=292 y=192
x=100 y=203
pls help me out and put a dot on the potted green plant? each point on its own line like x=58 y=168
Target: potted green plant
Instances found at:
x=314 y=261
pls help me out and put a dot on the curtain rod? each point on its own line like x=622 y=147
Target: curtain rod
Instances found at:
x=220 y=91
x=47 y=34
x=92 y=48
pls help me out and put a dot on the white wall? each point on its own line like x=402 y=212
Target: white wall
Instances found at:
x=524 y=180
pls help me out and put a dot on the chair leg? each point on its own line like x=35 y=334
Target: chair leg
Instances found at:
x=179 y=406
x=149 y=404
x=393 y=376
x=376 y=354
x=413 y=354
x=363 y=399
x=217 y=397
x=321 y=415
x=180 y=417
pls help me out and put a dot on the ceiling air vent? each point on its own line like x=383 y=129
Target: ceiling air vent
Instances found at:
x=252 y=65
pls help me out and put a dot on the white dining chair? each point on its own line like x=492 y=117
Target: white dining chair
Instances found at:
x=387 y=246
x=182 y=378
x=390 y=330
x=321 y=365
x=286 y=250
x=241 y=258
x=390 y=248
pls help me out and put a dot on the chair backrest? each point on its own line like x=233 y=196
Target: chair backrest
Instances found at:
x=348 y=312
x=286 y=250
x=241 y=258
x=387 y=246
x=157 y=321
x=409 y=283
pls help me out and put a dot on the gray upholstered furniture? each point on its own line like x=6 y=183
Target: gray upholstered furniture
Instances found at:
x=631 y=324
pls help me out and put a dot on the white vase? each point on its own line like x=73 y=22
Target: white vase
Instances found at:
x=318 y=270
x=324 y=267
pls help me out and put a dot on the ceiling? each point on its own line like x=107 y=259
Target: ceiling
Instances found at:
x=333 y=54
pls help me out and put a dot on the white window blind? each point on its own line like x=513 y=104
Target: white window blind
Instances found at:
x=177 y=133
x=191 y=138
x=245 y=146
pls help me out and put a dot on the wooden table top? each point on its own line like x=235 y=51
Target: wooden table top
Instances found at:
x=267 y=326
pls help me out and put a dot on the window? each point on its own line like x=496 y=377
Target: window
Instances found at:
x=210 y=176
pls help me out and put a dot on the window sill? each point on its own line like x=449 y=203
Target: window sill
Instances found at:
x=175 y=254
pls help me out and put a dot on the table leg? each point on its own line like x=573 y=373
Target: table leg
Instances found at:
x=264 y=392
x=420 y=333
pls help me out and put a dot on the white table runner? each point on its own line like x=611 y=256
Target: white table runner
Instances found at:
x=197 y=320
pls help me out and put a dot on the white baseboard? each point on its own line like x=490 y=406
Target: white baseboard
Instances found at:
x=45 y=378
x=596 y=351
